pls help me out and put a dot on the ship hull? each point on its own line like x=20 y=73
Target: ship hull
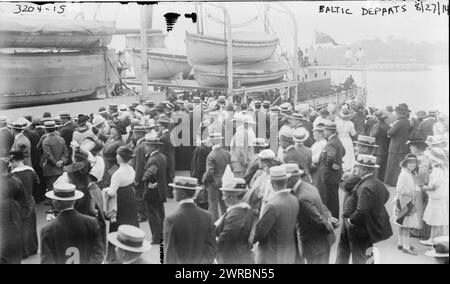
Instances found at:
x=31 y=78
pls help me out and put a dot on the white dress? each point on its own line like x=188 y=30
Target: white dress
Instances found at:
x=436 y=212
x=345 y=128
x=407 y=190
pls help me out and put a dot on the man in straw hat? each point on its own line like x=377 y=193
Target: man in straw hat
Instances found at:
x=216 y=162
x=330 y=169
x=155 y=186
x=71 y=238
x=398 y=134
x=55 y=154
x=301 y=135
x=275 y=230
x=367 y=222
x=130 y=244
x=315 y=224
x=21 y=142
x=234 y=227
x=189 y=231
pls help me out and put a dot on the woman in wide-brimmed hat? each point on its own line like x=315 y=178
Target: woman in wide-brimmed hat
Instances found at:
x=436 y=211
x=405 y=212
x=345 y=131
x=119 y=196
x=109 y=151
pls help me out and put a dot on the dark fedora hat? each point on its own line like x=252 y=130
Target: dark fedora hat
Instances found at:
x=82 y=167
x=118 y=126
x=417 y=141
x=83 y=119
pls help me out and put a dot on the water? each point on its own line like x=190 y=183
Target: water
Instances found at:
x=420 y=90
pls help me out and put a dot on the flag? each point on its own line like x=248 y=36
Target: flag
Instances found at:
x=321 y=38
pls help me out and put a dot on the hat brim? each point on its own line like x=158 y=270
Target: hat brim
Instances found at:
x=175 y=186
x=366 y=165
x=435 y=159
x=112 y=238
x=232 y=190
x=281 y=178
x=303 y=139
x=365 y=144
x=261 y=145
x=78 y=195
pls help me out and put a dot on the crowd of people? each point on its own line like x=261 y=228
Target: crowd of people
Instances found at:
x=263 y=187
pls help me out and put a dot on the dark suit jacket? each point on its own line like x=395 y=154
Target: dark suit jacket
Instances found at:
x=216 y=162
x=399 y=133
x=189 y=236
x=276 y=230
x=370 y=217
x=71 y=238
x=54 y=148
x=233 y=234
x=198 y=163
x=292 y=156
x=426 y=128
x=358 y=119
x=138 y=163
x=34 y=140
x=306 y=158
x=169 y=150
x=155 y=172
x=66 y=132
x=332 y=156
x=313 y=226
x=6 y=142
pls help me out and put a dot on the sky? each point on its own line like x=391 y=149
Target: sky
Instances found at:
x=344 y=29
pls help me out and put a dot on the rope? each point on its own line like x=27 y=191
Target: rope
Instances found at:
x=241 y=25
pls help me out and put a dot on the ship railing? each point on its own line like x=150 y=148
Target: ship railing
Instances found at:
x=338 y=98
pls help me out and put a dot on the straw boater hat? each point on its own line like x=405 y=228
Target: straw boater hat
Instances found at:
x=275 y=109
x=433 y=113
x=293 y=170
x=98 y=120
x=19 y=124
x=50 y=124
x=330 y=126
x=300 y=134
x=113 y=107
x=297 y=116
x=345 y=113
x=319 y=127
x=123 y=107
x=266 y=103
x=129 y=238
x=213 y=135
x=287 y=136
x=150 y=139
x=234 y=186
x=260 y=142
x=278 y=173
x=185 y=183
x=267 y=155
x=366 y=141
x=407 y=158
x=440 y=247
x=221 y=100
x=286 y=108
x=65 y=114
x=139 y=128
x=196 y=100
x=368 y=161
x=436 y=154
x=64 y=192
